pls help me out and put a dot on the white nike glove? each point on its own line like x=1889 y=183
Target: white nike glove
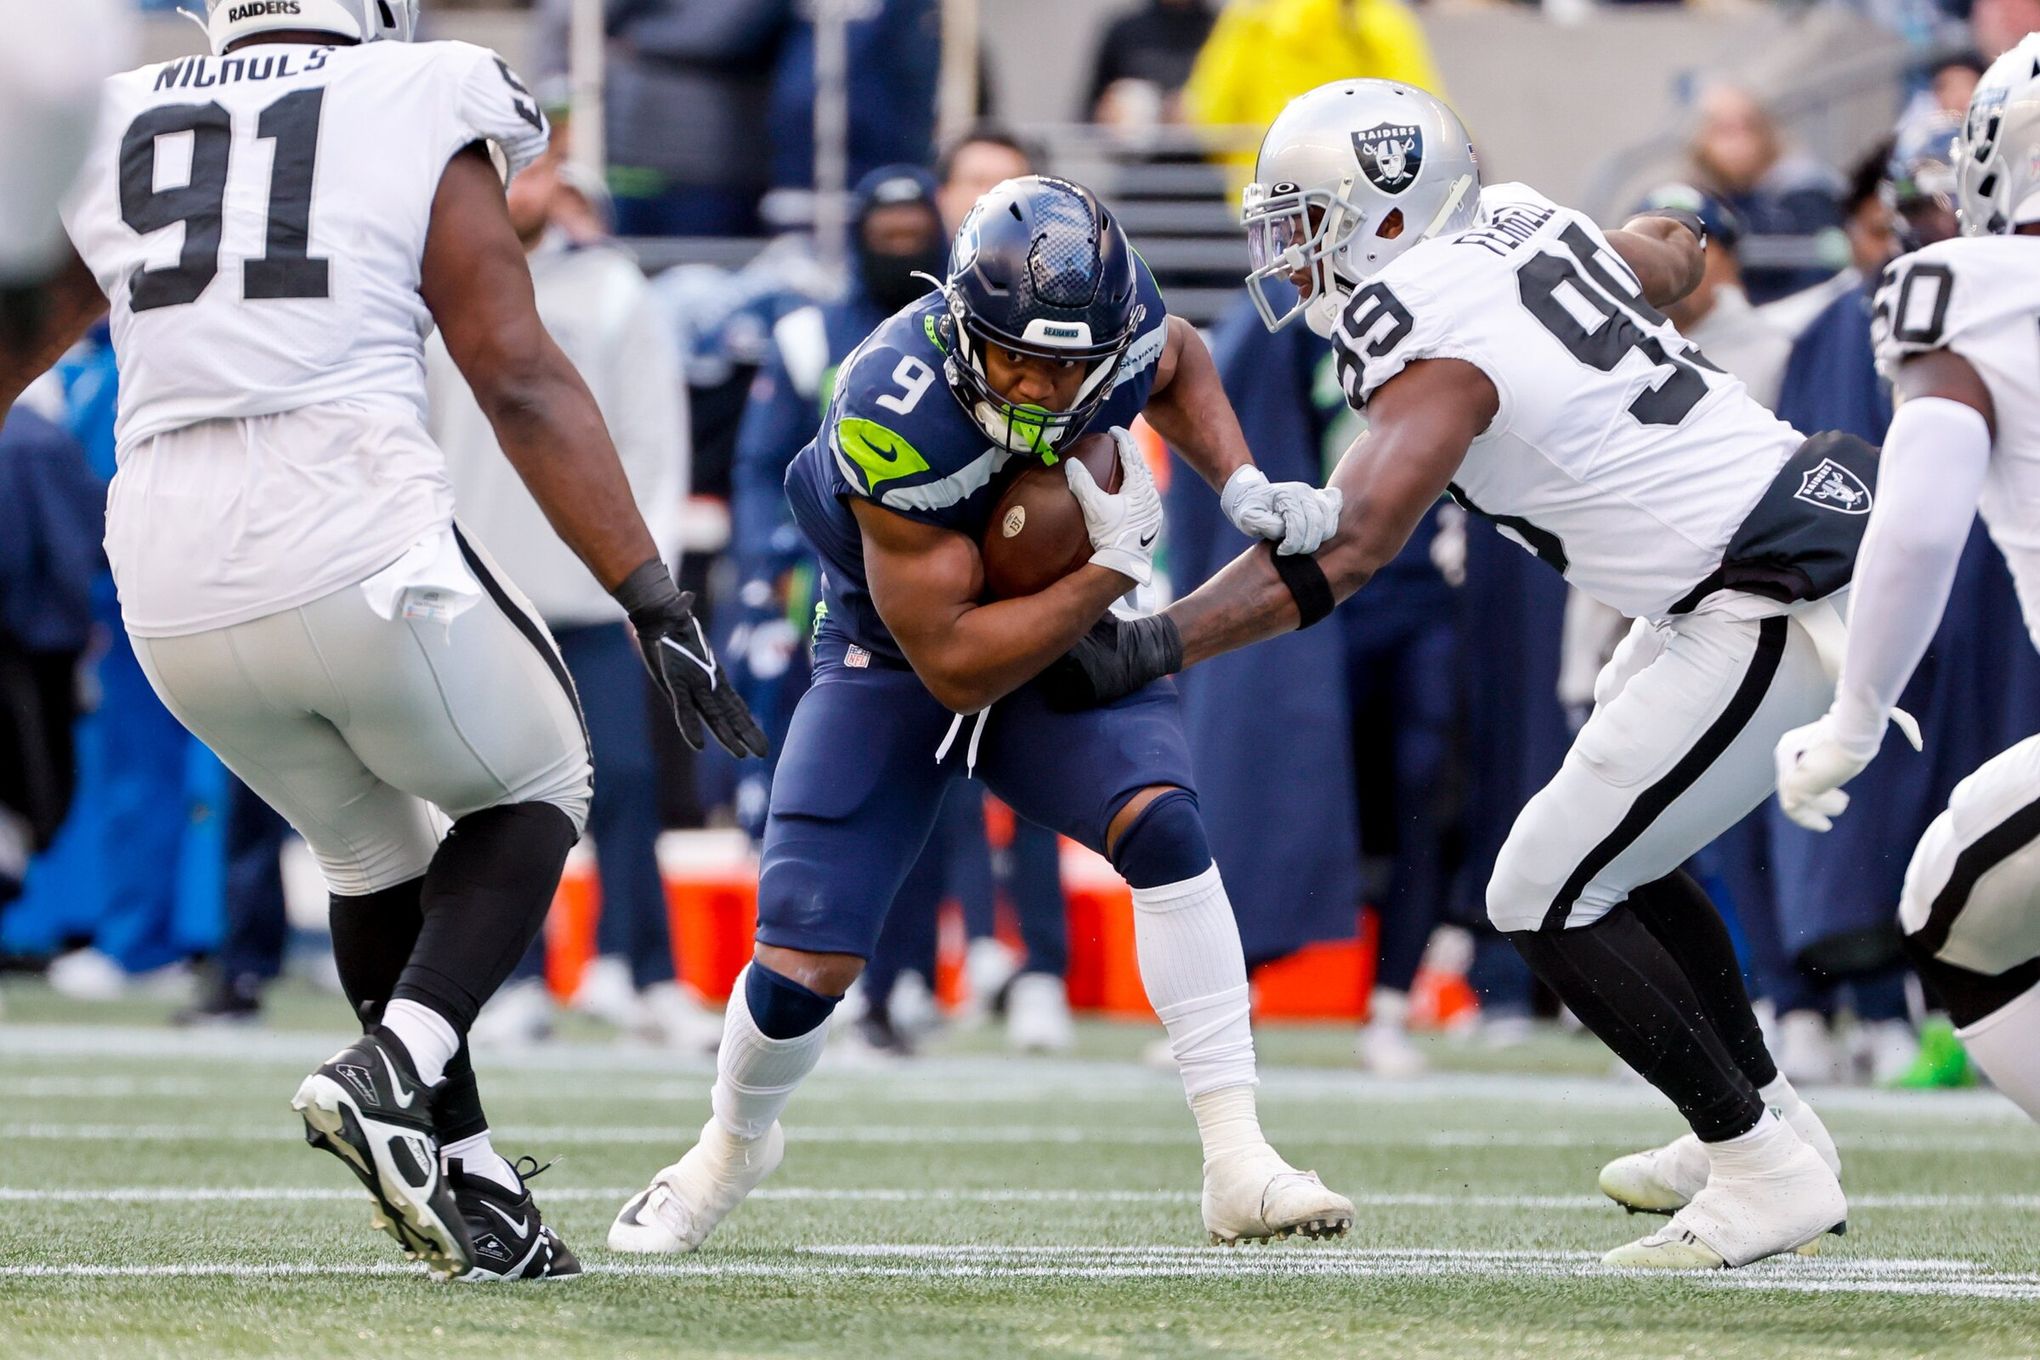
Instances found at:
x=1295 y=516
x=1124 y=527
x=1814 y=762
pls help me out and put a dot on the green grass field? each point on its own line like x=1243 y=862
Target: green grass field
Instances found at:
x=156 y=1199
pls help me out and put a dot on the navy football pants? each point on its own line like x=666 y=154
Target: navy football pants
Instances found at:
x=858 y=787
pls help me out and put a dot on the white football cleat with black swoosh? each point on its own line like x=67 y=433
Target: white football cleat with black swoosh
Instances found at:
x=367 y=1107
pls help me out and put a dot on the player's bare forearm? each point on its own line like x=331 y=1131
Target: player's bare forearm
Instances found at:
x=477 y=284
x=61 y=311
x=1664 y=254
x=1190 y=409
x=925 y=582
x=1424 y=419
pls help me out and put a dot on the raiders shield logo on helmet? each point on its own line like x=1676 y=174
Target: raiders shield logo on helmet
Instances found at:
x=1390 y=155
x=1831 y=486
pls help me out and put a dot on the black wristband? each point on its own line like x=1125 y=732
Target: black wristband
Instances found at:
x=1158 y=643
x=1307 y=585
x=1690 y=221
x=650 y=587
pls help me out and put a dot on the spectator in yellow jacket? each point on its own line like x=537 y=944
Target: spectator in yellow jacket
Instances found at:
x=1263 y=53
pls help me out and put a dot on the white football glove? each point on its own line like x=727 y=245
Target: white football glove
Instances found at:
x=1295 y=516
x=1814 y=762
x=1124 y=527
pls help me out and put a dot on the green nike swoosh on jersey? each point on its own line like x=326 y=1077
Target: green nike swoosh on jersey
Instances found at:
x=880 y=454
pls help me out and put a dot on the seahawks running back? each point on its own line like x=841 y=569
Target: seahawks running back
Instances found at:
x=1509 y=353
x=1048 y=326
x=277 y=227
x=1957 y=327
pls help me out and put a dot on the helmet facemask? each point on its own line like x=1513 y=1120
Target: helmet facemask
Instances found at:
x=1290 y=230
x=1020 y=427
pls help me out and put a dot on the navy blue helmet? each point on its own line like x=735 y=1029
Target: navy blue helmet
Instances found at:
x=1042 y=269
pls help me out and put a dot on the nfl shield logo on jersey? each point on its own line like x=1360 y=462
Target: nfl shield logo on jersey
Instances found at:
x=1390 y=155
x=1831 y=486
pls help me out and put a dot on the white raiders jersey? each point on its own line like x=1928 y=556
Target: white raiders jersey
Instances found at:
x=258 y=220
x=1979 y=297
x=1619 y=454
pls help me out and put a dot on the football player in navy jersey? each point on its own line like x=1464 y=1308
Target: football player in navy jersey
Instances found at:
x=1047 y=328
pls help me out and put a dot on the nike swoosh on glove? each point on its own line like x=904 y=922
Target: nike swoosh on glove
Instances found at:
x=1124 y=526
x=1117 y=657
x=683 y=665
x=1814 y=762
x=1295 y=516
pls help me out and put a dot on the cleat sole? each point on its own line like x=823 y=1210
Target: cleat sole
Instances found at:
x=332 y=1124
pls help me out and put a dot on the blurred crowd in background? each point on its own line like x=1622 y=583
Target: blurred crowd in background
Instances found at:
x=1422 y=717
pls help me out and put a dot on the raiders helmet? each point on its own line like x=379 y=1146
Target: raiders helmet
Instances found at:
x=1997 y=157
x=229 y=21
x=1350 y=176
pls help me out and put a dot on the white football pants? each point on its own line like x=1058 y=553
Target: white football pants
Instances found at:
x=1686 y=714
x=356 y=727
x=1972 y=892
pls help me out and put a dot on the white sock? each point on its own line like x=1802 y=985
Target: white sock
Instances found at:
x=756 y=1076
x=478 y=1157
x=1227 y=1121
x=1786 y=1103
x=426 y=1035
x=1195 y=975
x=2003 y=1044
x=1758 y=1149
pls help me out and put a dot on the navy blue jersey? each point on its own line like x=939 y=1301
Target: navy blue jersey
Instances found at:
x=896 y=436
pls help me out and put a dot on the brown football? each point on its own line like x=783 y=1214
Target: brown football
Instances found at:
x=1036 y=535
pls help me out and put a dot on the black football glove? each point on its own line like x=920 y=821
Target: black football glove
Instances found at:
x=1114 y=659
x=682 y=664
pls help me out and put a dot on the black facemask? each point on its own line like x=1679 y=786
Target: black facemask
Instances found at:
x=889 y=279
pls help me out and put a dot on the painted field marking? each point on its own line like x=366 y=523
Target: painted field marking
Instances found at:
x=156 y=1194
x=2017 y=1138
x=1053 y=1264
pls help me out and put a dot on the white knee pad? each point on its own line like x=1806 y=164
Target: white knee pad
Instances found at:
x=1533 y=871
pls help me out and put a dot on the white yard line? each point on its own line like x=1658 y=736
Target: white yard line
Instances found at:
x=157 y=1194
x=2013 y=1140
x=1055 y=1264
x=966 y=1079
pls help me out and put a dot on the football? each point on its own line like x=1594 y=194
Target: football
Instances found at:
x=1036 y=535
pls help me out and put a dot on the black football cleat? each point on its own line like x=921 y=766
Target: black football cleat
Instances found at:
x=510 y=1241
x=367 y=1107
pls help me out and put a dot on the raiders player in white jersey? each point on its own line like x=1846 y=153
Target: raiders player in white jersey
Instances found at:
x=1509 y=353
x=278 y=226
x=1957 y=328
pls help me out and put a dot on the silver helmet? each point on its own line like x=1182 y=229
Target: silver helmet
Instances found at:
x=1350 y=176
x=1997 y=157
x=229 y=21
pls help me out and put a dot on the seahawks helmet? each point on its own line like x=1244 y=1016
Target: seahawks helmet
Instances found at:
x=1350 y=176
x=229 y=21
x=1040 y=268
x=1997 y=157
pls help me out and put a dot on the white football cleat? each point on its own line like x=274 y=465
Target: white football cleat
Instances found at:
x=676 y=1017
x=606 y=993
x=1253 y=1195
x=1661 y=1180
x=516 y=1017
x=1775 y=1196
x=1038 y=1015
x=988 y=965
x=686 y=1201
